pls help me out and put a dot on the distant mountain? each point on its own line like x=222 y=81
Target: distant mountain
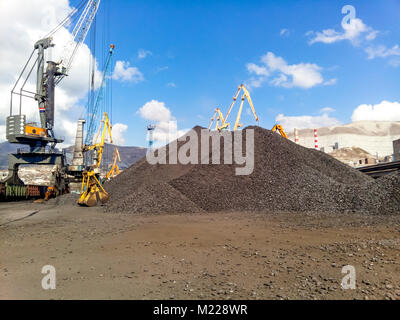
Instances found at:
x=129 y=155
x=375 y=137
x=5 y=149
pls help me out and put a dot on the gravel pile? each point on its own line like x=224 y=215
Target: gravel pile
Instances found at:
x=65 y=199
x=286 y=177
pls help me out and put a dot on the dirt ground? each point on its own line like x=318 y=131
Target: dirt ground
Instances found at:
x=200 y=256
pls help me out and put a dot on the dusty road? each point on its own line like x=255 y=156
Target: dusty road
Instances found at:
x=204 y=256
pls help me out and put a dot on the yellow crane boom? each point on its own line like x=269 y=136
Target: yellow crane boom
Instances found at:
x=114 y=171
x=246 y=95
x=98 y=147
x=219 y=117
x=279 y=128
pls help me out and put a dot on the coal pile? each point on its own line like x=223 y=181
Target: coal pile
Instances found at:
x=286 y=177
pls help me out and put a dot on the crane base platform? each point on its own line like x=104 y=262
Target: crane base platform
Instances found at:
x=12 y=187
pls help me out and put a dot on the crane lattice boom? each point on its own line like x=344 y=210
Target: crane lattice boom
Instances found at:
x=79 y=34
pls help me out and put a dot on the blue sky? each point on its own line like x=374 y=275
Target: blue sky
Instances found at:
x=198 y=53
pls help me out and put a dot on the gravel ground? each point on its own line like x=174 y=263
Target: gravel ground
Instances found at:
x=228 y=255
x=286 y=177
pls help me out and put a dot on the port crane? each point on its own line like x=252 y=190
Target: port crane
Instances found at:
x=92 y=189
x=219 y=117
x=246 y=95
x=82 y=158
x=48 y=75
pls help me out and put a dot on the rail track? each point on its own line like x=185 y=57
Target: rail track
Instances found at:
x=379 y=170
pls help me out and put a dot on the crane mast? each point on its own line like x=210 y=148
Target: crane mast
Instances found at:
x=46 y=81
x=92 y=117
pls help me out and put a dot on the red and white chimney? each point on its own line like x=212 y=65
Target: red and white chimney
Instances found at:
x=296 y=136
x=316 y=139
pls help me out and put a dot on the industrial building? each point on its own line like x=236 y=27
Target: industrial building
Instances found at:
x=375 y=137
x=396 y=150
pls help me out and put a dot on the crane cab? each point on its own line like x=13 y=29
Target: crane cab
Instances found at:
x=32 y=129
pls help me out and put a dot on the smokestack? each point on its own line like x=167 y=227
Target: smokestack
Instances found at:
x=316 y=139
x=296 y=136
x=78 y=150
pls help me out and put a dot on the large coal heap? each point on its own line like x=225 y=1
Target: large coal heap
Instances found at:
x=286 y=177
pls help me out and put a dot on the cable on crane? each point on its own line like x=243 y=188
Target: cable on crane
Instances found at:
x=68 y=19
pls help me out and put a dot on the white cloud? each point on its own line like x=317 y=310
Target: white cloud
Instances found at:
x=166 y=125
x=357 y=32
x=124 y=72
x=22 y=23
x=352 y=31
x=171 y=85
x=382 y=51
x=142 y=54
x=118 y=133
x=261 y=73
x=273 y=62
x=304 y=122
x=255 y=82
x=384 y=111
x=161 y=69
x=155 y=111
x=330 y=82
x=327 y=110
x=371 y=35
x=2 y=133
x=303 y=75
x=284 y=32
x=395 y=62
x=258 y=70
x=167 y=131
x=68 y=129
x=280 y=81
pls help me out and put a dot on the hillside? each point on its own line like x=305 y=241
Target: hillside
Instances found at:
x=129 y=155
x=5 y=149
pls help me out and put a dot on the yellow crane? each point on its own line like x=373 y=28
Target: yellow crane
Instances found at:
x=246 y=95
x=114 y=171
x=92 y=190
x=220 y=117
x=279 y=128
